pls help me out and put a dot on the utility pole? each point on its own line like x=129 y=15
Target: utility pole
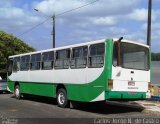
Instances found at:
x=53 y=32
x=149 y=22
x=54 y=25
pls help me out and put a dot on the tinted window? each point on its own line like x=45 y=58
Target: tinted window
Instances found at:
x=25 y=63
x=62 y=59
x=96 y=58
x=47 y=60
x=79 y=57
x=35 y=62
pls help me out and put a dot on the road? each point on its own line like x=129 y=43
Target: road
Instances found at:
x=36 y=108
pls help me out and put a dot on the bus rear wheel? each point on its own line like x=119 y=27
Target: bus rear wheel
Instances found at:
x=17 y=93
x=62 y=98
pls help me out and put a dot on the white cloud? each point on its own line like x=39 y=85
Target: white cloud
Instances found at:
x=102 y=7
x=139 y=15
x=142 y=14
x=16 y=18
x=107 y=21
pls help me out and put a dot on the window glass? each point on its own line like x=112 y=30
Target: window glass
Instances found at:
x=35 y=63
x=25 y=63
x=10 y=66
x=96 y=58
x=79 y=57
x=97 y=49
x=62 y=59
x=16 y=64
x=47 y=60
x=132 y=56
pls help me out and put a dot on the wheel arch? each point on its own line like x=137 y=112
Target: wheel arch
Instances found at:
x=60 y=86
x=16 y=83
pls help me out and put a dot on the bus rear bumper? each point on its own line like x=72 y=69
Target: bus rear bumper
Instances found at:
x=126 y=95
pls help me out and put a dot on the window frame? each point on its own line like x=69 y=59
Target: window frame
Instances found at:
x=25 y=63
x=148 y=50
x=17 y=68
x=35 y=61
x=52 y=62
x=55 y=60
x=10 y=66
x=79 y=57
x=89 y=55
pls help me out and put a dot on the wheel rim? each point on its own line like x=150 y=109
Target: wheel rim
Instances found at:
x=61 y=98
x=17 y=92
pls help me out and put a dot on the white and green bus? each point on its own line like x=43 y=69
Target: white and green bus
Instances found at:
x=109 y=69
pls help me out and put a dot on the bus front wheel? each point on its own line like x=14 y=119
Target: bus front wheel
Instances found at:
x=17 y=93
x=62 y=98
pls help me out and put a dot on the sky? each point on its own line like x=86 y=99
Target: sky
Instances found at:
x=101 y=20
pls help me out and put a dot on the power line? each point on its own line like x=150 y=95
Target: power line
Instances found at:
x=77 y=8
x=57 y=16
x=33 y=27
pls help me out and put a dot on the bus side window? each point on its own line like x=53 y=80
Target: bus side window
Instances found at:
x=47 y=60
x=25 y=63
x=96 y=58
x=16 y=64
x=79 y=57
x=62 y=59
x=10 y=66
x=35 y=63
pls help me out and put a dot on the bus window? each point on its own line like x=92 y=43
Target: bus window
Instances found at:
x=25 y=63
x=47 y=60
x=35 y=61
x=10 y=66
x=79 y=57
x=16 y=64
x=62 y=59
x=134 y=56
x=96 y=58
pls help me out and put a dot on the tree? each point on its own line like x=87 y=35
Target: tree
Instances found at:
x=155 y=56
x=10 y=45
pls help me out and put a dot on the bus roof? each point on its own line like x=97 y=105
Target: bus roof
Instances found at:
x=77 y=45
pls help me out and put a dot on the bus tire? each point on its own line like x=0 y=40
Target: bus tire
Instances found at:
x=62 y=100
x=17 y=93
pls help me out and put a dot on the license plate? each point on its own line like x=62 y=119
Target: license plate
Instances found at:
x=131 y=83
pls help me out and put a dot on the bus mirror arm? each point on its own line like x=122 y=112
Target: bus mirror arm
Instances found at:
x=119 y=51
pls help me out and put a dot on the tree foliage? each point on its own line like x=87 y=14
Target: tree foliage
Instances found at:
x=10 y=45
x=155 y=56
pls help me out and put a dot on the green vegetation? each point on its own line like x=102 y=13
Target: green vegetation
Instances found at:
x=155 y=56
x=10 y=45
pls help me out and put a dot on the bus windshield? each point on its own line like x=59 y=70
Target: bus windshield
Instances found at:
x=132 y=56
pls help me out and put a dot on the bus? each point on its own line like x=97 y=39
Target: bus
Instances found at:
x=108 y=69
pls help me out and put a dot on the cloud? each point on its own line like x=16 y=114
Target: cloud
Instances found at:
x=100 y=8
x=107 y=21
x=13 y=18
x=139 y=15
x=103 y=19
x=142 y=14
